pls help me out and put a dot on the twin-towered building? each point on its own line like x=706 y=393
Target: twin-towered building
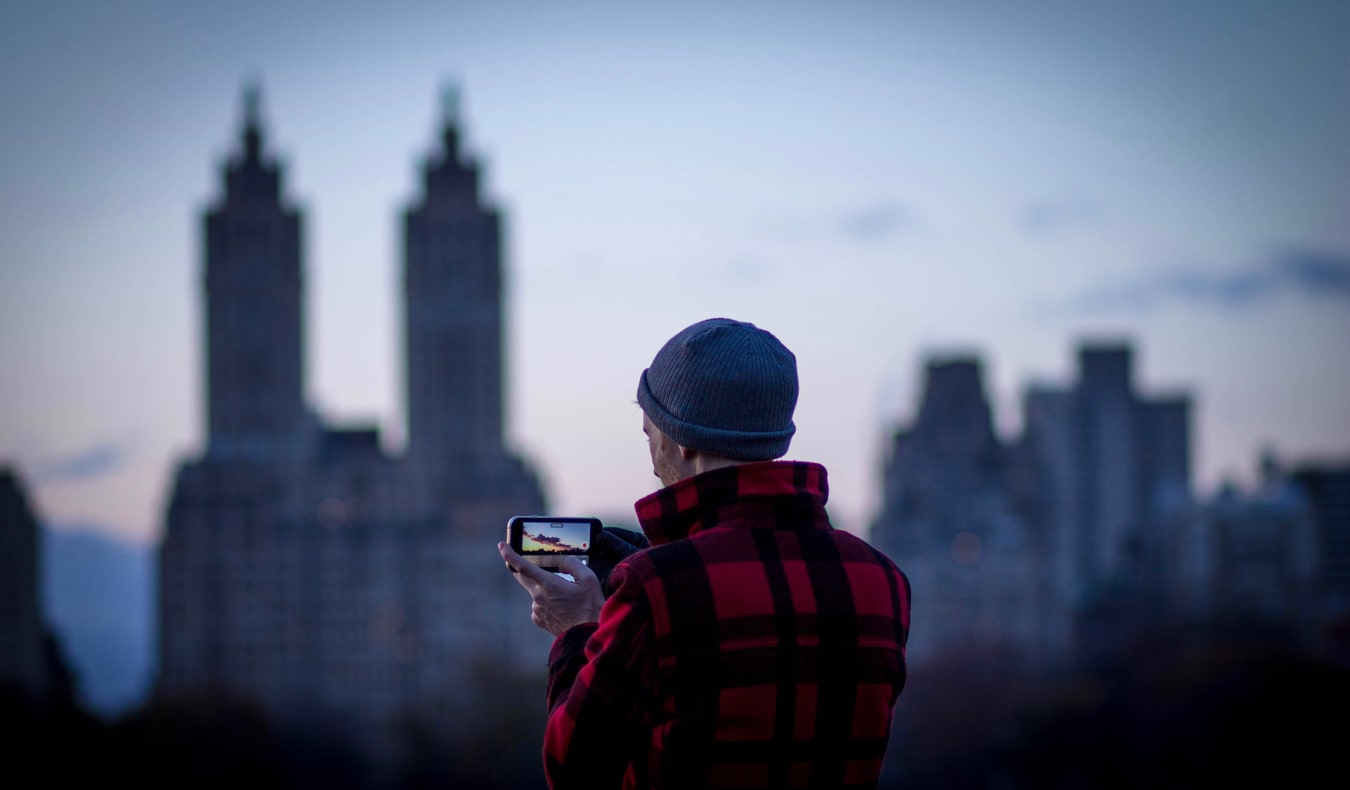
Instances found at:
x=305 y=570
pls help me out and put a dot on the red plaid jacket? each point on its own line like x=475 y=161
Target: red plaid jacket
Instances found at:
x=753 y=645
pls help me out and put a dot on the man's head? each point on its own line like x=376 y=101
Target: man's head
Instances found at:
x=724 y=388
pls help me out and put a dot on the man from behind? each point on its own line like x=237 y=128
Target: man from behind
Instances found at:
x=749 y=643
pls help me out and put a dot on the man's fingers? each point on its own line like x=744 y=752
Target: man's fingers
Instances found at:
x=525 y=570
x=574 y=567
x=557 y=603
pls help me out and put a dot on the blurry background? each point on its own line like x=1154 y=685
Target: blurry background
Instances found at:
x=873 y=182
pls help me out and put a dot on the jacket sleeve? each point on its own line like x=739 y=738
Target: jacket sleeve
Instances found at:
x=601 y=702
x=614 y=545
x=565 y=660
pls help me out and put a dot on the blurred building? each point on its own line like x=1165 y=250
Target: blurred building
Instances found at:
x=1114 y=480
x=1255 y=557
x=32 y=665
x=343 y=589
x=1325 y=490
x=21 y=624
x=1025 y=542
x=959 y=521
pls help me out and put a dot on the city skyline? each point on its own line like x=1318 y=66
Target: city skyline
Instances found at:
x=1098 y=174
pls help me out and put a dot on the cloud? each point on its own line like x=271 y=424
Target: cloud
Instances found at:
x=875 y=222
x=1317 y=271
x=97 y=461
x=1050 y=216
x=1311 y=273
x=864 y=222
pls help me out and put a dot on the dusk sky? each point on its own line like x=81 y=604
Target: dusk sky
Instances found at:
x=874 y=182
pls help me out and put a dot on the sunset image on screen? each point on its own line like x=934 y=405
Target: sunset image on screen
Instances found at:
x=545 y=537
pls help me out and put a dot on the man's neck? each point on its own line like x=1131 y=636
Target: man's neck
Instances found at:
x=699 y=462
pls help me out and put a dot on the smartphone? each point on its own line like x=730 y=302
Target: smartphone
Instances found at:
x=545 y=540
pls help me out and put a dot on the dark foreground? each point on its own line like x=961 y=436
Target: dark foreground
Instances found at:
x=1171 y=711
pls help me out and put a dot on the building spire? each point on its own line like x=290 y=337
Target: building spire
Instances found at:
x=450 y=103
x=252 y=120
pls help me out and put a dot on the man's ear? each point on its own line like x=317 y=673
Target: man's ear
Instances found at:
x=687 y=453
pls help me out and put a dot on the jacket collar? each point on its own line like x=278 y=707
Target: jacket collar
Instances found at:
x=694 y=504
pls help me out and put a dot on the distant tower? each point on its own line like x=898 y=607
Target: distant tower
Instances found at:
x=22 y=660
x=1325 y=488
x=951 y=447
x=1105 y=435
x=1131 y=467
x=1115 y=477
x=254 y=318
x=453 y=312
x=951 y=516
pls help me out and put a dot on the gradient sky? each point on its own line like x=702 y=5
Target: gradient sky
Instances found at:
x=874 y=182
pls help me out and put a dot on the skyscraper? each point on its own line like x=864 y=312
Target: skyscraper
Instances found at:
x=253 y=293
x=452 y=281
x=32 y=662
x=955 y=518
x=1016 y=540
x=304 y=570
x=22 y=630
x=1131 y=467
x=1325 y=487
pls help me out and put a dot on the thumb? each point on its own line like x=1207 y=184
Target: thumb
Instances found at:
x=580 y=572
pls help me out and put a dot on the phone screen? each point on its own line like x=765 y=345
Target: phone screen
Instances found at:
x=546 y=540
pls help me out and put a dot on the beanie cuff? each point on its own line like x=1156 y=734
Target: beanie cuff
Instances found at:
x=738 y=445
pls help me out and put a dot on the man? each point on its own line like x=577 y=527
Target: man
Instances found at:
x=750 y=644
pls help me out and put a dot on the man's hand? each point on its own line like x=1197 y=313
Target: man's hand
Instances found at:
x=614 y=546
x=558 y=604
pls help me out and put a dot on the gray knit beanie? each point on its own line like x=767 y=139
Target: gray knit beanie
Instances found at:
x=724 y=387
